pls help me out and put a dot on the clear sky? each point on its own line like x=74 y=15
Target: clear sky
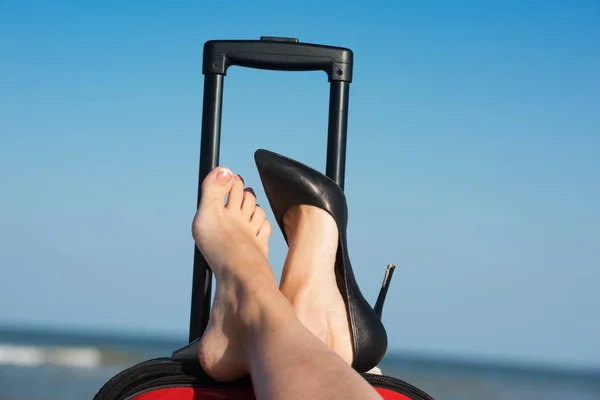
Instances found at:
x=473 y=162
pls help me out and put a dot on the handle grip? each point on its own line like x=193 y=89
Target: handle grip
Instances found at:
x=280 y=54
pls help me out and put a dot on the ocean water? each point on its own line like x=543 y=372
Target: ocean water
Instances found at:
x=37 y=365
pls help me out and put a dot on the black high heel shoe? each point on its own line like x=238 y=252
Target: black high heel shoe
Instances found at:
x=288 y=183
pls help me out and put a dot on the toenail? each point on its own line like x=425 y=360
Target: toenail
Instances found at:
x=224 y=175
x=240 y=177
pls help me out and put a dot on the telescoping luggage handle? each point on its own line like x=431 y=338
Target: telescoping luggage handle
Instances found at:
x=272 y=53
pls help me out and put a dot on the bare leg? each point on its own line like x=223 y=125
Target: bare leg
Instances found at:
x=253 y=327
x=308 y=279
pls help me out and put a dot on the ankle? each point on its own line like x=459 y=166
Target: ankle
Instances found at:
x=309 y=265
x=314 y=279
x=309 y=301
x=262 y=305
x=320 y=312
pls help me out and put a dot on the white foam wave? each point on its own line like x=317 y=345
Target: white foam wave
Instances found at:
x=33 y=356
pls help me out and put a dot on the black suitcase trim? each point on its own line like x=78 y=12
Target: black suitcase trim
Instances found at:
x=166 y=372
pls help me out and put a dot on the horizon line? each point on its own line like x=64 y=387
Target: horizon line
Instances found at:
x=418 y=357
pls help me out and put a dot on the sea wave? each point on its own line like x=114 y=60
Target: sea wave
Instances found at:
x=35 y=356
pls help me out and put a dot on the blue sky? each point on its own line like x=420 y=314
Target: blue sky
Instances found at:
x=473 y=162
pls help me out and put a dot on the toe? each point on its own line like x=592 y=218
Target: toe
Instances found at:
x=258 y=218
x=265 y=231
x=249 y=202
x=236 y=195
x=263 y=235
x=217 y=185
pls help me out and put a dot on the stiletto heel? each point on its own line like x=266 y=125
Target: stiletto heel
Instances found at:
x=387 y=279
x=288 y=183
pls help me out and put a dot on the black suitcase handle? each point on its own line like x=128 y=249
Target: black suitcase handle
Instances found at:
x=282 y=54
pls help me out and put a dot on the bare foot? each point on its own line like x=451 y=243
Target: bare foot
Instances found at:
x=233 y=239
x=308 y=280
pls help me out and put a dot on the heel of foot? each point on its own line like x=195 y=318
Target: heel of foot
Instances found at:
x=220 y=358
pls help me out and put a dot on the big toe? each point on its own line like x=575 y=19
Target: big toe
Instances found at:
x=216 y=186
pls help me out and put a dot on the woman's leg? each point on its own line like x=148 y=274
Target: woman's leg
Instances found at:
x=253 y=327
x=308 y=279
